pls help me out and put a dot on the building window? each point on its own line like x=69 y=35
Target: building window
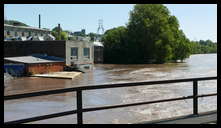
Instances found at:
x=16 y=33
x=41 y=34
x=87 y=53
x=8 y=32
x=22 y=34
x=29 y=33
x=74 y=53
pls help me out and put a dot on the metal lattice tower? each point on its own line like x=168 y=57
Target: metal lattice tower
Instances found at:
x=100 y=30
x=5 y=18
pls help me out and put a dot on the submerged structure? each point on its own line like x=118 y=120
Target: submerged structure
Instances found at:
x=79 y=54
x=34 y=64
x=98 y=52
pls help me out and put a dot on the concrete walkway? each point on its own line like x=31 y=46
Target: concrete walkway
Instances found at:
x=203 y=118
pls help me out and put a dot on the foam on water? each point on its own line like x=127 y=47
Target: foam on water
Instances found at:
x=142 y=71
x=7 y=78
x=195 y=66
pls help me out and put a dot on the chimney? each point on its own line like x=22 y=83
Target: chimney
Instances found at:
x=59 y=27
x=39 y=17
x=59 y=31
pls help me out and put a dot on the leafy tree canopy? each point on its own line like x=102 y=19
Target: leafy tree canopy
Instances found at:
x=152 y=35
x=62 y=35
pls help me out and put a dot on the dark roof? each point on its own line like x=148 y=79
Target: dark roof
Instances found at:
x=26 y=27
x=34 y=59
x=45 y=56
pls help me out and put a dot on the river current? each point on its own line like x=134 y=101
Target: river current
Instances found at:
x=200 y=65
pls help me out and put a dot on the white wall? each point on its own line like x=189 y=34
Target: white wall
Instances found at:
x=81 y=59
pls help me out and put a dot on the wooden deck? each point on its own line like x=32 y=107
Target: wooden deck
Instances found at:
x=59 y=75
x=202 y=118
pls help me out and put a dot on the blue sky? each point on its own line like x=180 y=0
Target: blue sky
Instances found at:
x=198 y=21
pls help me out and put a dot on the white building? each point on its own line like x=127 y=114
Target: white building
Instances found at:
x=26 y=33
x=79 y=54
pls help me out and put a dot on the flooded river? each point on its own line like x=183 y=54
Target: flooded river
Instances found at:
x=201 y=65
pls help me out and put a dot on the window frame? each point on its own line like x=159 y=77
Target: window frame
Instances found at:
x=8 y=33
x=16 y=33
x=74 y=56
x=22 y=33
x=88 y=51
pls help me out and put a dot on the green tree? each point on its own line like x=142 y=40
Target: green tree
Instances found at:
x=182 y=47
x=155 y=32
x=203 y=47
x=115 y=45
x=92 y=36
x=62 y=35
x=152 y=35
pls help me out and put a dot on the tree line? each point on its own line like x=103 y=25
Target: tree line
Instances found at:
x=203 y=46
x=63 y=34
x=152 y=35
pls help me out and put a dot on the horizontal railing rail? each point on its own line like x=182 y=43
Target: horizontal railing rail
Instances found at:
x=79 y=111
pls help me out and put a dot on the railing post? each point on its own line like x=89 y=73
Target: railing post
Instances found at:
x=79 y=107
x=195 y=98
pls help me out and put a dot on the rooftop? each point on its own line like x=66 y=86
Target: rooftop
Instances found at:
x=24 y=27
x=31 y=59
x=96 y=43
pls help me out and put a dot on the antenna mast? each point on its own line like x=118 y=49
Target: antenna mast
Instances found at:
x=5 y=18
x=100 y=30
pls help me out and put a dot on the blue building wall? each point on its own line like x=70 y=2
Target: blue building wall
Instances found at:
x=14 y=69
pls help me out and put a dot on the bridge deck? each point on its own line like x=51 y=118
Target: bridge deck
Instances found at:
x=202 y=118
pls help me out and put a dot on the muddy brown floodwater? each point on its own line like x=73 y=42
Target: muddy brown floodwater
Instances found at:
x=201 y=65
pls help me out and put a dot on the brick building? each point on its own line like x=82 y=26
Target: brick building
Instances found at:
x=36 y=65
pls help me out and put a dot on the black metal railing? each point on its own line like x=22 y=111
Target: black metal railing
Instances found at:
x=80 y=110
